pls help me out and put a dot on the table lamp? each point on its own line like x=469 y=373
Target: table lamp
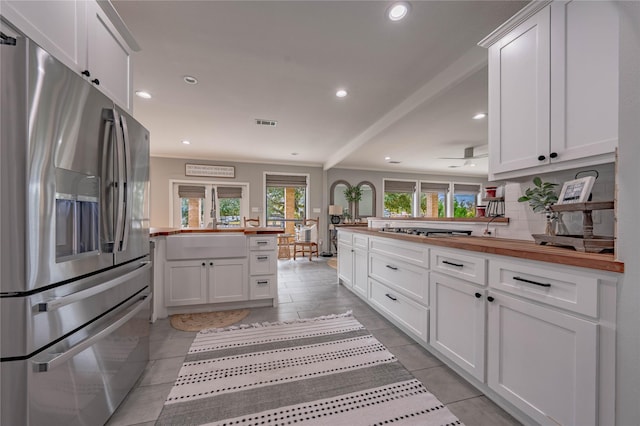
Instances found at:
x=335 y=211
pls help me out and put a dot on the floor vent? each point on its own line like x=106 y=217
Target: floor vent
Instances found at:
x=262 y=122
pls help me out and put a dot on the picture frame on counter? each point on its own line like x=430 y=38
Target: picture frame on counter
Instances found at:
x=577 y=190
x=206 y=170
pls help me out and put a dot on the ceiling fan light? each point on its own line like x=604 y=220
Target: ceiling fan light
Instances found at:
x=398 y=11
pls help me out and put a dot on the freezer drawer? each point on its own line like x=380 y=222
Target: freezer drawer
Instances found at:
x=82 y=379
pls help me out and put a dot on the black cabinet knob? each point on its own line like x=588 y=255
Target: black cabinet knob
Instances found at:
x=86 y=73
x=478 y=295
x=490 y=299
x=553 y=155
x=541 y=158
x=204 y=264
x=96 y=81
x=210 y=263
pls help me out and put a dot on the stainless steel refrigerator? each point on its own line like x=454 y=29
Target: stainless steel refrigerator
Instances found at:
x=74 y=240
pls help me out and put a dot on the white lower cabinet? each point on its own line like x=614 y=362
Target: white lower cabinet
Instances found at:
x=345 y=264
x=410 y=314
x=457 y=325
x=353 y=263
x=543 y=361
x=263 y=268
x=192 y=282
x=360 y=272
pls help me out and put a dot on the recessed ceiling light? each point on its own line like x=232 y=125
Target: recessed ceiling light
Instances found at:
x=190 y=79
x=341 y=93
x=387 y=158
x=479 y=116
x=398 y=10
x=142 y=94
x=186 y=142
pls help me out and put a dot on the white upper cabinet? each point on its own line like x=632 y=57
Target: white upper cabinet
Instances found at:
x=553 y=88
x=81 y=35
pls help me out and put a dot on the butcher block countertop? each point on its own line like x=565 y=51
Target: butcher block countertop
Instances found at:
x=163 y=232
x=514 y=248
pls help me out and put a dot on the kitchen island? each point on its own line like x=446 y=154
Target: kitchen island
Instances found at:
x=532 y=327
x=202 y=270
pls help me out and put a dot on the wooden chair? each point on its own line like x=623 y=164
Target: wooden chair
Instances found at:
x=304 y=242
x=247 y=221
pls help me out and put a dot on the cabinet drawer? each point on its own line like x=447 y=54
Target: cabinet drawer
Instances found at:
x=411 y=280
x=345 y=237
x=418 y=254
x=262 y=287
x=407 y=312
x=570 y=289
x=360 y=241
x=460 y=265
x=262 y=263
x=262 y=243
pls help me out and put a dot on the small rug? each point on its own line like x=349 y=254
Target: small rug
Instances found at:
x=333 y=263
x=322 y=371
x=204 y=320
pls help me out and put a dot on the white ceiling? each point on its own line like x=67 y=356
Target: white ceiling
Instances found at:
x=413 y=85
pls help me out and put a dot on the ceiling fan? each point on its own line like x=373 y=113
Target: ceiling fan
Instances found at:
x=468 y=157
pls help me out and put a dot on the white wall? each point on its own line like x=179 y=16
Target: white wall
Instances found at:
x=628 y=313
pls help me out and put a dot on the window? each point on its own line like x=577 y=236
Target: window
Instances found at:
x=433 y=199
x=286 y=200
x=399 y=198
x=465 y=199
x=199 y=204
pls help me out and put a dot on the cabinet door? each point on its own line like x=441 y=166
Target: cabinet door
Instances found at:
x=228 y=280
x=108 y=57
x=59 y=27
x=345 y=264
x=185 y=282
x=457 y=327
x=543 y=361
x=519 y=96
x=360 y=272
x=584 y=79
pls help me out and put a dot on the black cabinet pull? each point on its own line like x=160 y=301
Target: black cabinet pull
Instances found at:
x=86 y=73
x=459 y=265
x=490 y=299
x=553 y=155
x=204 y=264
x=478 y=295
x=393 y=268
x=532 y=282
x=262 y=257
x=96 y=81
x=263 y=282
x=210 y=263
x=391 y=297
x=260 y=243
x=541 y=158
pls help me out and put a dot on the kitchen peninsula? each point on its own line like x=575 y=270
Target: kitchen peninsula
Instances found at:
x=488 y=307
x=226 y=267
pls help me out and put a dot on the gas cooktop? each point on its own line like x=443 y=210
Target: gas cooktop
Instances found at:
x=427 y=232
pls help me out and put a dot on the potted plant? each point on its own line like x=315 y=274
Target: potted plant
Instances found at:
x=541 y=197
x=353 y=194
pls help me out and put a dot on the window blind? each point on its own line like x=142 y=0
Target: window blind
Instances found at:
x=191 y=191
x=286 y=181
x=434 y=187
x=459 y=188
x=229 y=192
x=399 y=186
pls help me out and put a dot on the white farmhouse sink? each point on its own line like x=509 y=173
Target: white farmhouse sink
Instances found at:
x=205 y=246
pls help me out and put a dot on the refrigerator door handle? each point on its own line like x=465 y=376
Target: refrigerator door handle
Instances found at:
x=48 y=361
x=59 y=302
x=120 y=163
x=126 y=217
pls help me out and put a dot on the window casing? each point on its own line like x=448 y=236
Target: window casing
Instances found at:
x=286 y=199
x=465 y=199
x=399 y=198
x=192 y=205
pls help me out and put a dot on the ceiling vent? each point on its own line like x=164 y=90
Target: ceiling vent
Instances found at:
x=262 y=122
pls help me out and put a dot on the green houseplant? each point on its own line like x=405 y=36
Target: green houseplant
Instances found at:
x=353 y=195
x=541 y=197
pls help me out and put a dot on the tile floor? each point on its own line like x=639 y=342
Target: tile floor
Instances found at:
x=308 y=289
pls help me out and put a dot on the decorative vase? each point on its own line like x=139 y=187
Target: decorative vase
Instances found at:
x=550 y=228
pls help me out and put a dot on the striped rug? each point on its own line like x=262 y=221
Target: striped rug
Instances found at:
x=322 y=371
